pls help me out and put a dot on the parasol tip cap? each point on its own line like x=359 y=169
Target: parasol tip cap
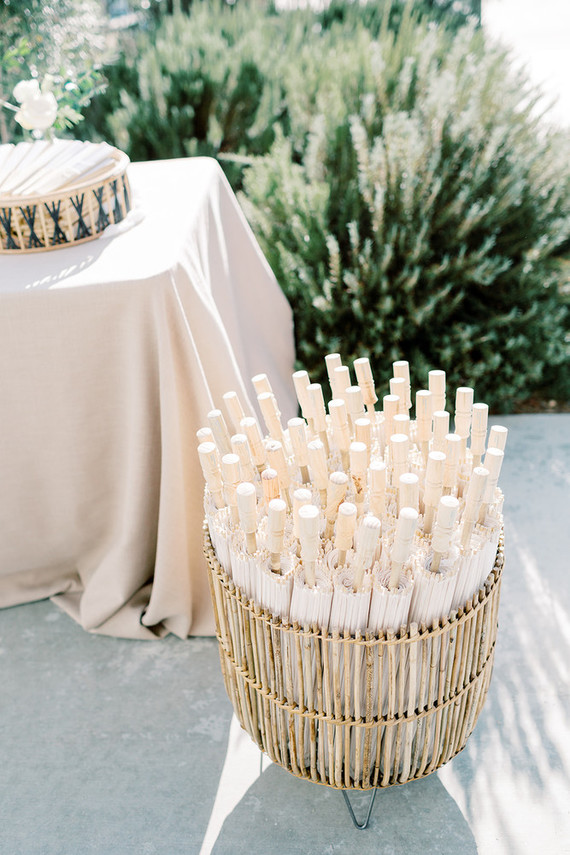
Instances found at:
x=437 y=375
x=363 y=369
x=438 y=456
x=480 y=472
x=269 y=474
x=446 y=514
x=230 y=468
x=245 y=489
x=302 y=495
x=347 y=509
x=205 y=434
x=449 y=502
x=498 y=437
x=309 y=512
x=465 y=392
x=493 y=461
x=372 y=523
x=277 y=506
x=397 y=384
x=206 y=447
x=338 y=478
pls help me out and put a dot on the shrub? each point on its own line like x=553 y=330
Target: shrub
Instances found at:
x=420 y=213
x=201 y=87
x=407 y=200
x=212 y=81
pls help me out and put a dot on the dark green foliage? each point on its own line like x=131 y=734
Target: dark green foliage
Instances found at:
x=407 y=200
x=218 y=80
x=199 y=87
x=376 y=16
x=424 y=225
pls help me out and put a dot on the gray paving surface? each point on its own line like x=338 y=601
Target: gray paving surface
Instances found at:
x=110 y=747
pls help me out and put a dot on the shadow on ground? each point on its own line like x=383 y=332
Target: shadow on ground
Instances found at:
x=301 y=818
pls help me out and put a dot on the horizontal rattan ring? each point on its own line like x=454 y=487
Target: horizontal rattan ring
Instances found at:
x=295 y=709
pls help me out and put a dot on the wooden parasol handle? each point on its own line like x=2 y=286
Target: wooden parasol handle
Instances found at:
x=368 y=536
x=436 y=385
x=252 y=431
x=210 y=463
x=220 y=431
x=276 y=517
x=405 y=530
x=231 y=477
x=401 y=370
x=473 y=499
x=309 y=519
x=234 y=409
x=247 y=510
x=345 y=528
x=441 y=539
x=298 y=438
x=336 y=492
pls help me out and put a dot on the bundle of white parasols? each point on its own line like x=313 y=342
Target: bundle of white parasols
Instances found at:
x=360 y=519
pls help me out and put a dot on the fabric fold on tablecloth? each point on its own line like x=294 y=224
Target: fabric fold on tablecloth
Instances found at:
x=117 y=350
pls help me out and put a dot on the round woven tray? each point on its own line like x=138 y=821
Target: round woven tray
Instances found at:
x=355 y=713
x=74 y=215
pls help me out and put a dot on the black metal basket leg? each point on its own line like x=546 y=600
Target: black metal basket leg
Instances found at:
x=364 y=824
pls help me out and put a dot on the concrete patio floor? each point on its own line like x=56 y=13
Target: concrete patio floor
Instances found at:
x=112 y=747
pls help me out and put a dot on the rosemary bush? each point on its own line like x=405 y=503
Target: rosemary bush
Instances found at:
x=200 y=86
x=212 y=81
x=404 y=192
x=420 y=216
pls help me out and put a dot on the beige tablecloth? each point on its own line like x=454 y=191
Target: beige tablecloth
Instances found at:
x=111 y=355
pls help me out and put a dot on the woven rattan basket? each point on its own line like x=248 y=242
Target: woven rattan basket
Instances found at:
x=74 y=215
x=355 y=713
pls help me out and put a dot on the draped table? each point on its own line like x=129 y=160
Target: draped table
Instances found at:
x=111 y=355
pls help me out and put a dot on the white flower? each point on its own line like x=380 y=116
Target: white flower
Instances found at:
x=37 y=113
x=25 y=90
